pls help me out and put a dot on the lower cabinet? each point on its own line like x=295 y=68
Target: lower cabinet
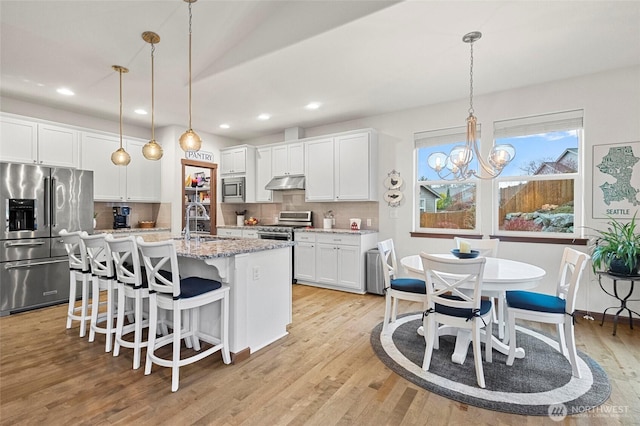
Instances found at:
x=333 y=260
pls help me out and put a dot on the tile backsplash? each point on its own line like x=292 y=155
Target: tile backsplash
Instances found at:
x=158 y=212
x=342 y=211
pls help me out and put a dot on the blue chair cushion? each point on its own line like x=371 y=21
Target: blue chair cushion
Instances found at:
x=195 y=286
x=485 y=307
x=538 y=302
x=410 y=285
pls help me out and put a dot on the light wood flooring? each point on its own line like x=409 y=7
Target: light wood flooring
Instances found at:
x=323 y=373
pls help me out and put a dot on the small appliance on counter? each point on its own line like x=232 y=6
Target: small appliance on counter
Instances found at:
x=121 y=217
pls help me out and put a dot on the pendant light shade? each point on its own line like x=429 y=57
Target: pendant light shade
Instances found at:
x=120 y=157
x=152 y=150
x=456 y=164
x=190 y=141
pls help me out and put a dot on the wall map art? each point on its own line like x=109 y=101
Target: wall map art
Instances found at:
x=616 y=180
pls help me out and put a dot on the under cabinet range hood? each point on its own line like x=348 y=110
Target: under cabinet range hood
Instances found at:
x=282 y=183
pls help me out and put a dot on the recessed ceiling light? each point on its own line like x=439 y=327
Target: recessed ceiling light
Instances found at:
x=224 y=126
x=140 y=111
x=264 y=117
x=313 y=105
x=65 y=91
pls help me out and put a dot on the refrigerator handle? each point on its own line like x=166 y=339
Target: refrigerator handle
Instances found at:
x=53 y=202
x=47 y=207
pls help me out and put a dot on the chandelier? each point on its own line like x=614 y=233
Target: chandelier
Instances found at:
x=190 y=141
x=120 y=157
x=456 y=165
x=152 y=150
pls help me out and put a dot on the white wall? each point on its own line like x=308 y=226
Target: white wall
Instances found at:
x=611 y=103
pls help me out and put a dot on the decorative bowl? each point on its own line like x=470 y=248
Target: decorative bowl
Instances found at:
x=473 y=254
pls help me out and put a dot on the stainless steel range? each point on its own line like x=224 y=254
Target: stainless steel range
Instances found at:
x=287 y=222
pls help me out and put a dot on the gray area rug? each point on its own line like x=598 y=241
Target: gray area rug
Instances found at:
x=540 y=384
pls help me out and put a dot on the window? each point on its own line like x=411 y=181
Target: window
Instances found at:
x=540 y=190
x=443 y=204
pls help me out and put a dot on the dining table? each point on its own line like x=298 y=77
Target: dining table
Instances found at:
x=499 y=275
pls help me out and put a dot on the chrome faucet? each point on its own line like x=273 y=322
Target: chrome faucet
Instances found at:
x=197 y=206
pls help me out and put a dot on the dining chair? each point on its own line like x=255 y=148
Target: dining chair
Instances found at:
x=79 y=271
x=556 y=309
x=410 y=289
x=454 y=298
x=488 y=247
x=186 y=295
x=103 y=279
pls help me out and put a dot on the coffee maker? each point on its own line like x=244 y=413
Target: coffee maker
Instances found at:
x=121 y=216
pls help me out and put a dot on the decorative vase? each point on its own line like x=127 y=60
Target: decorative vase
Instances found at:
x=618 y=267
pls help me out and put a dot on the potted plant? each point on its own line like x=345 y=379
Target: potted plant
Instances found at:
x=617 y=250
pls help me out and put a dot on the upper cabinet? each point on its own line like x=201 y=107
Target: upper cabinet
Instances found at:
x=342 y=167
x=263 y=175
x=233 y=160
x=27 y=141
x=139 y=181
x=288 y=159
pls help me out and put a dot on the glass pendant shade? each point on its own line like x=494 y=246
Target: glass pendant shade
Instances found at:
x=190 y=141
x=152 y=150
x=120 y=157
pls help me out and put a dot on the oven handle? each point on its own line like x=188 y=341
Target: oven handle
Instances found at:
x=27 y=265
x=25 y=244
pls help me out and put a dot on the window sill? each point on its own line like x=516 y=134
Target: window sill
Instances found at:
x=506 y=238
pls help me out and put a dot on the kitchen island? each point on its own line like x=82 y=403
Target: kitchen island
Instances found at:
x=259 y=275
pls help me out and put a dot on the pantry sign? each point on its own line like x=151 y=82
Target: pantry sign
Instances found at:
x=199 y=155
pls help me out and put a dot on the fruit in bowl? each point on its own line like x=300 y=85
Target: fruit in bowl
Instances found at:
x=251 y=221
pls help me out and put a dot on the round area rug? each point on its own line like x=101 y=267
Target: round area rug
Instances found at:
x=539 y=384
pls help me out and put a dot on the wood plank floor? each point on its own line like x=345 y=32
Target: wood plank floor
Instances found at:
x=323 y=373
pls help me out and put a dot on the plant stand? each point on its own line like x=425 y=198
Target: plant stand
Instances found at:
x=623 y=300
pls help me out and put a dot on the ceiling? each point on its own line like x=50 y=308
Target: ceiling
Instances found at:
x=358 y=58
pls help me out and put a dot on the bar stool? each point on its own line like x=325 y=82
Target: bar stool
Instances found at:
x=103 y=280
x=78 y=272
x=180 y=296
x=132 y=285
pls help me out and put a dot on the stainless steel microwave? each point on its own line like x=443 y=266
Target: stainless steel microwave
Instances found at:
x=233 y=190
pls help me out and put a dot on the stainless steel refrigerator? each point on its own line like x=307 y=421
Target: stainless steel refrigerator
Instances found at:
x=39 y=202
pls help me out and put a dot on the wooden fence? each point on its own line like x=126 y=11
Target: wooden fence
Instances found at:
x=531 y=196
x=463 y=219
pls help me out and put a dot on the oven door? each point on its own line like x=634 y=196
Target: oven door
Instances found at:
x=282 y=236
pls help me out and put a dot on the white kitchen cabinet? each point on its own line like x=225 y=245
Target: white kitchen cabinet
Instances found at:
x=288 y=159
x=250 y=233
x=137 y=182
x=233 y=160
x=264 y=175
x=305 y=256
x=27 y=141
x=319 y=167
x=342 y=167
x=230 y=232
x=333 y=260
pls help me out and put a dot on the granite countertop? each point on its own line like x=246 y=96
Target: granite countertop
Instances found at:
x=214 y=247
x=337 y=231
x=239 y=227
x=136 y=230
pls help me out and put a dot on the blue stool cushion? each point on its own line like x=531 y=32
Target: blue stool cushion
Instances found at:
x=410 y=285
x=485 y=307
x=536 y=302
x=195 y=286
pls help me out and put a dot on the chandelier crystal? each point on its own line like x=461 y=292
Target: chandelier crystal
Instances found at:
x=152 y=150
x=190 y=141
x=120 y=157
x=456 y=164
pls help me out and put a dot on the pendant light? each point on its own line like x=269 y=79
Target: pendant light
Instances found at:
x=120 y=157
x=190 y=141
x=455 y=166
x=152 y=150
